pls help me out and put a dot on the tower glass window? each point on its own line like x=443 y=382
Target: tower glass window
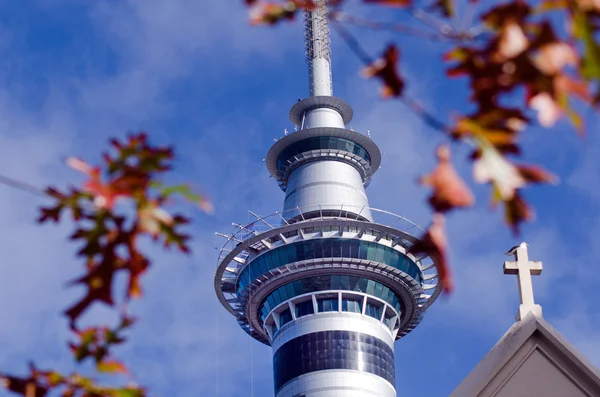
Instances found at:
x=328 y=304
x=319 y=143
x=374 y=310
x=353 y=305
x=327 y=248
x=304 y=308
x=325 y=283
x=285 y=317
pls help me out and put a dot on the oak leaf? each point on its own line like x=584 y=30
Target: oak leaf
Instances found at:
x=386 y=69
x=449 y=190
x=491 y=166
x=433 y=243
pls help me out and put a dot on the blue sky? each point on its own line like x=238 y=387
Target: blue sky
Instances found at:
x=195 y=75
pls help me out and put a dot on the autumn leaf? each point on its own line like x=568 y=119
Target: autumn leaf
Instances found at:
x=553 y=57
x=491 y=166
x=269 y=13
x=547 y=109
x=516 y=211
x=513 y=41
x=585 y=30
x=152 y=218
x=433 y=243
x=186 y=191
x=386 y=70
x=449 y=190
x=444 y=7
x=27 y=387
x=111 y=366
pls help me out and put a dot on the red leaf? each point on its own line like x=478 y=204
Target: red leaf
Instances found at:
x=27 y=387
x=433 y=243
x=516 y=212
x=386 y=70
x=536 y=174
x=449 y=190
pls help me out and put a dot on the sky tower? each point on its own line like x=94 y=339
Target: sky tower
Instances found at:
x=326 y=282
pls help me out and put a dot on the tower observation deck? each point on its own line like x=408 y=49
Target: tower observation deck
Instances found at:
x=327 y=282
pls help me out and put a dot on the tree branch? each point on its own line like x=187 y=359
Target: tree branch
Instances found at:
x=392 y=27
x=427 y=117
x=4 y=180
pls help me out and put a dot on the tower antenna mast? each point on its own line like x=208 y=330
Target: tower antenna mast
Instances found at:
x=318 y=49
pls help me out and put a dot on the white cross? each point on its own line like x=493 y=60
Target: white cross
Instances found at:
x=524 y=268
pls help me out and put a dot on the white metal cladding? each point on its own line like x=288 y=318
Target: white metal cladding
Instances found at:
x=324 y=185
x=333 y=321
x=299 y=109
x=322 y=117
x=338 y=383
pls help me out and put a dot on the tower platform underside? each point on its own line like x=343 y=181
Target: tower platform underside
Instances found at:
x=330 y=293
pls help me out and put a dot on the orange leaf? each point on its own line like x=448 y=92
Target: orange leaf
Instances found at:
x=449 y=190
x=433 y=243
x=111 y=366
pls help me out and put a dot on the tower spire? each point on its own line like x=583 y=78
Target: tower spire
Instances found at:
x=318 y=49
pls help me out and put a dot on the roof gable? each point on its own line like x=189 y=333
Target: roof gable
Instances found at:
x=532 y=359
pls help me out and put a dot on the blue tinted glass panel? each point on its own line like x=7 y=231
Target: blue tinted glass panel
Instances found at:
x=289 y=288
x=371 y=287
x=352 y=305
x=362 y=285
x=291 y=253
x=322 y=283
x=336 y=282
x=345 y=282
x=304 y=308
x=316 y=143
x=372 y=251
x=364 y=250
x=332 y=350
x=374 y=311
x=332 y=246
x=285 y=317
x=327 y=304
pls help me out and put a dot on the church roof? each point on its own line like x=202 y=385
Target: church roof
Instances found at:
x=532 y=359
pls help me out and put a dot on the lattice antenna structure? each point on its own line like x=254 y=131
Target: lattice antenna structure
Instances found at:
x=318 y=49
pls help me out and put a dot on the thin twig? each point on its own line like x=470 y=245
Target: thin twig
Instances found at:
x=4 y=180
x=427 y=117
x=426 y=19
x=424 y=114
x=390 y=26
x=352 y=43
